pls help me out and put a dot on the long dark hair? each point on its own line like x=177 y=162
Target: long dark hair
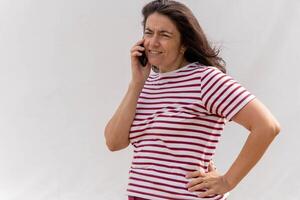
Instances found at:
x=192 y=35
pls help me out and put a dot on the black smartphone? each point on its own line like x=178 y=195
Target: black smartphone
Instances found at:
x=143 y=58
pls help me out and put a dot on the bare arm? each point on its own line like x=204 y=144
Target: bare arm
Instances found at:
x=117 y=129
x=263 y=129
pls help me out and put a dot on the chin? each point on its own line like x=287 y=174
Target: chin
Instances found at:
x=155 y=63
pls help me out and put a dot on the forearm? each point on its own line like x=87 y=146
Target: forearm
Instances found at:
x=254 y=148
x=117 y=129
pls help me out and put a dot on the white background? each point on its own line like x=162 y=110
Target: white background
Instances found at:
x=65 y=66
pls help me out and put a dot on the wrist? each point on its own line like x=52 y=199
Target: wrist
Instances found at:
x=136 y=84
x=229 y=182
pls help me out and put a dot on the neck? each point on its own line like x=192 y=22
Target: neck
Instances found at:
x=182 y=62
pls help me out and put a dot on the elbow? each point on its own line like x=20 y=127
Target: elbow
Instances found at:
x=111 y=147
x=109 y=143
x=269 y=129
x=274 y=128
x=112 y=143
x=114 y=147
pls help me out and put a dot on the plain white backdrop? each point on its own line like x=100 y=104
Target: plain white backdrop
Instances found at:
x=65 y=66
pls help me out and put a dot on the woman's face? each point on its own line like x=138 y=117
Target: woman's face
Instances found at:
x=162 y=43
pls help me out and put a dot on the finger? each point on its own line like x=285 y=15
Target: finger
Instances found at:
x=194 y=174
x=136 y=54
x=140 y=42
x=194 y=182
x=197 y=181
x=199 y=187
x=207 y=193
x=137 y=48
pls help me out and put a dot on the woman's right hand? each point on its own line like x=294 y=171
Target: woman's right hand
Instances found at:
x=139 y=73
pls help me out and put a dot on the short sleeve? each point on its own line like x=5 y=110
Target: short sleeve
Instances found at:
x=221 y=94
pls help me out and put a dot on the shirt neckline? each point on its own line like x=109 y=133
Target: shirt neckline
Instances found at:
x=160 y=74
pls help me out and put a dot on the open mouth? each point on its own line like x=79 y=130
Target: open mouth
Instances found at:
x=154 y=52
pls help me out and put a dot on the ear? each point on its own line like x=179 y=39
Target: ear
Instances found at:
x=182 y=49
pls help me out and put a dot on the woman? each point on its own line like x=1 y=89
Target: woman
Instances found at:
x=175 y=110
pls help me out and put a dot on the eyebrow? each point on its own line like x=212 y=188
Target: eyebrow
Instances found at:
x=161 y=31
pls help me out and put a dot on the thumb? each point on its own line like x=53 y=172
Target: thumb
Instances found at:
x=201 y=170
x=211 y=166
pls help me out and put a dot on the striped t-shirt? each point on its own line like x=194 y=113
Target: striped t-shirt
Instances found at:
x=179 y=119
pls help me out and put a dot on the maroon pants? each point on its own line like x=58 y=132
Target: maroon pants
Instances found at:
x=135 y=198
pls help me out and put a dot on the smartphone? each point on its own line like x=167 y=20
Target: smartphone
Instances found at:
x=143 y=58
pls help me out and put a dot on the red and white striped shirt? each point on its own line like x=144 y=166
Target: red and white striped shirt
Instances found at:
x=179 y=119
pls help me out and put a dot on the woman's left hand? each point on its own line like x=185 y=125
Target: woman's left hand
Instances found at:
x=212 y=181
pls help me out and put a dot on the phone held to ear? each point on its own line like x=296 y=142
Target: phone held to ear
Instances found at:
x=143 y=58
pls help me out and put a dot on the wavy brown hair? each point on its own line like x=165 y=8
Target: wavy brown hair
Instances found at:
x=192 y=35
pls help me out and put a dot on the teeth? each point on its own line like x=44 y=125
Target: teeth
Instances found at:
x=154 y=52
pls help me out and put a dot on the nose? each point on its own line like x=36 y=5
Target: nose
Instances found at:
x=153 y=42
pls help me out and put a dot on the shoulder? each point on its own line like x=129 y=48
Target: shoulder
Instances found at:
x=204 y=70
